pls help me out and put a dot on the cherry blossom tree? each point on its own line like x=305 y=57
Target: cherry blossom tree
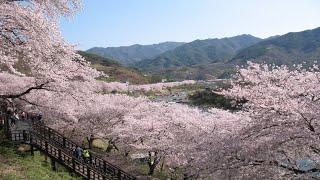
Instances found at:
x=181 y=135
x=157 y=87
x=33 y=55
x=282 y=141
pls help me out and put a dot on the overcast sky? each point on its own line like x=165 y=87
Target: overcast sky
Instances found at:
x=125 y=22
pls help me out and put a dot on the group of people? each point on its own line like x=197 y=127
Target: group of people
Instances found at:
x=82 y=154
x=23 y=116
x=17 y=116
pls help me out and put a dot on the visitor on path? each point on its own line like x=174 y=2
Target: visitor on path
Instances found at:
x=78 y=152
x=86 y=155
x=39 y=116
x=23 y=116
x=30 y=116
x=14 y=118
x=35 y=117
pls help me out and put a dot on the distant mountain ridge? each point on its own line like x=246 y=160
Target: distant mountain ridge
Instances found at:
x=291 y=48
x=217 y=58
x=199 y=52
x=130 y=54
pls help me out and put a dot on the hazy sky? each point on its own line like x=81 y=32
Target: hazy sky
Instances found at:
x=126 y=22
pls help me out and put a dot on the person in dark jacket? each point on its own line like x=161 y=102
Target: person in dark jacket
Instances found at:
x=14 y=118
x=39 y=116
x=78 y=152
x=23 y=116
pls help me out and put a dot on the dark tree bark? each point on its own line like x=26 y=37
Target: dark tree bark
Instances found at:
x=153 y=161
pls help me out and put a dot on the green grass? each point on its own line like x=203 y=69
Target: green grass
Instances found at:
x=16 y=165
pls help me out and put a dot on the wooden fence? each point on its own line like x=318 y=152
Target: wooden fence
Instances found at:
x=60 y=149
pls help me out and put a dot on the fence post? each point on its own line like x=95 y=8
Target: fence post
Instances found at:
x=88 y=172
x=31 y=145
x=64 y=142
x=53 y=164
x=59 y=154
x=73 y=165
x=24 y=136
x=90 y=159
x=104 y=167
x=49 y=134
x=119 y=174
x=46 y=146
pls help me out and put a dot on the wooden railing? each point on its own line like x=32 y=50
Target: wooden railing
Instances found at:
x=60 y=149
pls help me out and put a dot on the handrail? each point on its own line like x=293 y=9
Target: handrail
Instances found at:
x=61 y=145
x=69 y=145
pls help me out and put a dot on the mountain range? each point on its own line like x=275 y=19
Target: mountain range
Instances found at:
x=203 y=59
x=198 y=52
x=128 y=55
x=291 y=48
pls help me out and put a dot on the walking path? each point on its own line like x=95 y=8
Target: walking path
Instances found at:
x=60 y=149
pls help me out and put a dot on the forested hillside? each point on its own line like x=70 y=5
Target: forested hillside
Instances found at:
x=289 y=49
x=218 y=57
x=114 y=69
x=199 y=52
x=131 y=54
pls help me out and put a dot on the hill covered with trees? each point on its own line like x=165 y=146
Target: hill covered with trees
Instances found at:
x=288 y=49
x=130 y=54
x=219 y=57
x=198 y=52
x=115 y=70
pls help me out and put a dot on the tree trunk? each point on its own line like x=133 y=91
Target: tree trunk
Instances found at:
x=152 y=167
x=153 y=161
x=126 y=153
x=162 y=164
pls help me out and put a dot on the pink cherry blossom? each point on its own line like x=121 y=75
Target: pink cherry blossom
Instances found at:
x=284 y=104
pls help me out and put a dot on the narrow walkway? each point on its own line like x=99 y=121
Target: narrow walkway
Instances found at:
x=60 y=149
x=21 y=125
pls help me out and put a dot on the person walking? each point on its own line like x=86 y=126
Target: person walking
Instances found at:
x=23 y=116
x=14 y=118
x=39 y=116
x=86 y=155
x=78 y=152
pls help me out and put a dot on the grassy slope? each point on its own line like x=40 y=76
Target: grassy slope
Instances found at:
x=16 y=165
x=115 y=70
